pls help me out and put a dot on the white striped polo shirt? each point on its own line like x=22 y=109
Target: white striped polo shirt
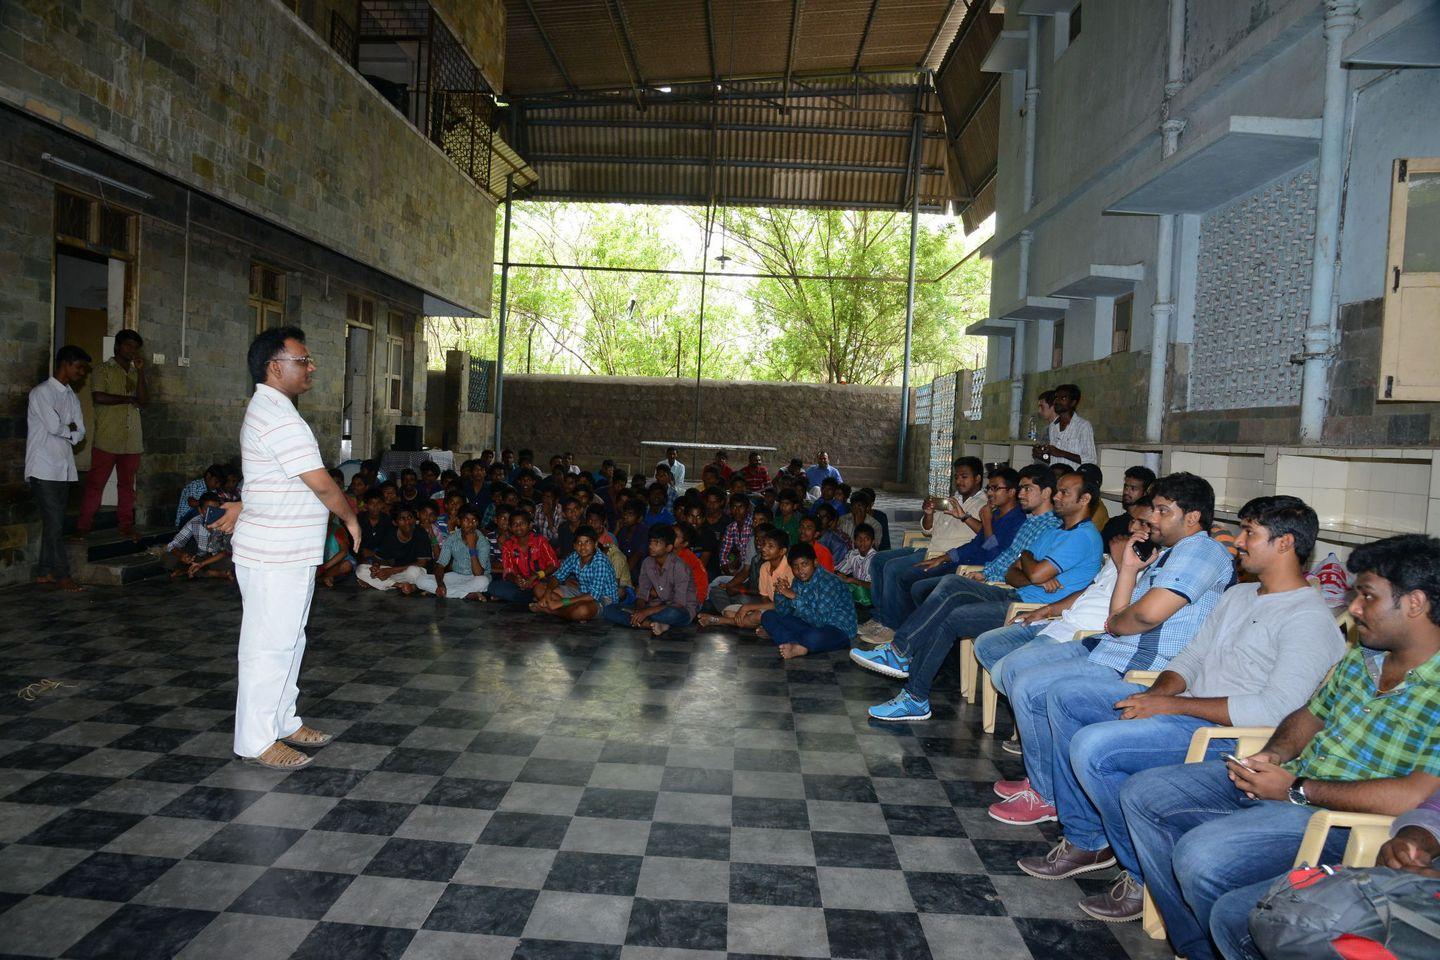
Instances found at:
x=283 y=522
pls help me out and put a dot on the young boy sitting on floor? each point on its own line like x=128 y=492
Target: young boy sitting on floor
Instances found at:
x=810 y=533
x=665 y=596
x=774 y=570
x=583 y=585
x=340 y=559
x=813 y=613
x=854 y=570
x=525 y=559
x=683 y=534
x=463 y=566
x=198 y=551
x=401 y=558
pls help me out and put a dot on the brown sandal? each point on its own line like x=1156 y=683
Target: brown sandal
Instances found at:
x=286 y=758
x=306 y=737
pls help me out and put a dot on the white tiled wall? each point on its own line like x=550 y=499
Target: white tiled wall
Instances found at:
x=1349 y=493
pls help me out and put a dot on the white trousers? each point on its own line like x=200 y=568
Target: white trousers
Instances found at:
x=457 y=586
x=276 y=605
x=410 y=574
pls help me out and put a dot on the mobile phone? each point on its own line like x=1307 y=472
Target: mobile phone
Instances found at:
x=1236 y=760
x=212 y=514
x=1144 y=549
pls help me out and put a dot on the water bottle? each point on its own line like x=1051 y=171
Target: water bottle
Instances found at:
x=1034 y=431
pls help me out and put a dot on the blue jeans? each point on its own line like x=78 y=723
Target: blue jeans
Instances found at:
x=1030 y=673
x=958 y=607
x=1095 y=754
x=1230 y=921
x=788 y=628
x=507 y=591
x=619 y=614
x=885 y=570
x=993 y=646
x=1199 y=838
x=922 y=582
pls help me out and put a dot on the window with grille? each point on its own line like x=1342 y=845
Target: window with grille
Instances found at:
x=359 y=310
x=1120 y=335
x=267 y=297
x=97 y=226
x=398 y=355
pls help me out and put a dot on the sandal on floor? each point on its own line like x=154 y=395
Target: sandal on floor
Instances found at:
x=316 y=738
x=287 y=764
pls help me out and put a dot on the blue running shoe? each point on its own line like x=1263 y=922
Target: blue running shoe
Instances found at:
x=884 y=659
x=903 y=708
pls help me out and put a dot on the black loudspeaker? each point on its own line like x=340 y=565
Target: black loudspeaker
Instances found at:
x=408 y=437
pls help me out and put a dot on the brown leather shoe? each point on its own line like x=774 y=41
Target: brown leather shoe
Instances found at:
x=1123 y=902
x=1066 y=860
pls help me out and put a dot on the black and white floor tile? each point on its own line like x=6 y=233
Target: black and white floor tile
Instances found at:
x=499 y=787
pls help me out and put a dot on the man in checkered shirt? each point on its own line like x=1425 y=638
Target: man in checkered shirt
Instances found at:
x=1213 y=836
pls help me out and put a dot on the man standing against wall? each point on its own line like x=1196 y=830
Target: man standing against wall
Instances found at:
x=1071 y=439
x=677 y=469
x=119 y=393
x=279 y=540
x=54 y=426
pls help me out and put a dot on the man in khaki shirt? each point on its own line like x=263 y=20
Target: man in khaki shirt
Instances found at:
x=119 y=391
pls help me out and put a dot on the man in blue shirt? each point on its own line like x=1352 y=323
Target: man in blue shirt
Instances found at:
x=813 y=614
x=1157 y=607
x=1060 y=562
x=818 y=471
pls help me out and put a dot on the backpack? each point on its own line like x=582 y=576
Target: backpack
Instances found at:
x=1374 y=913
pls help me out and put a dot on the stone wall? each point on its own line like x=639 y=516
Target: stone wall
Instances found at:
x=480 y=26
x=200 y=315
x=1112 y=398
x=598 y=417
x=242 y=101
x=1353 y=417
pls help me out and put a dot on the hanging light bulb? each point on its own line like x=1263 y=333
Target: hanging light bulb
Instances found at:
x=724 y=257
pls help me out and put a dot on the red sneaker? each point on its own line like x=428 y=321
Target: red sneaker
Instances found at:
x=1023 y=809
x=1005 y=789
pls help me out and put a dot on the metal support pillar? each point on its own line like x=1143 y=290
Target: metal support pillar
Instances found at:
x=504 y=310
x=909 y=303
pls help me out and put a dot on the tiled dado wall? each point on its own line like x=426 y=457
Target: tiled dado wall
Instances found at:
x=1360 y=494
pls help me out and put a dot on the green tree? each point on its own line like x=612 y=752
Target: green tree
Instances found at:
x=852 y=330
x=619 y=323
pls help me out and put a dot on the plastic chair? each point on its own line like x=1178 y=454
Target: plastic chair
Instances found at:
x=915 y=538
x=1248 y=740
x=965 y=648
x=1368 y=832
x=989 y=696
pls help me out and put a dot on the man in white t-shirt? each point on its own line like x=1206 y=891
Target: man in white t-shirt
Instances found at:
x=1259 y=655
x=1070 y=439
x=279 y=540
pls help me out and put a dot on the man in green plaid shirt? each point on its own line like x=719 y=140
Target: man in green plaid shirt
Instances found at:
x=1212 y=837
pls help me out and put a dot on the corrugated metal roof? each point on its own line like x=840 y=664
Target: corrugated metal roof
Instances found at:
x=814 y=105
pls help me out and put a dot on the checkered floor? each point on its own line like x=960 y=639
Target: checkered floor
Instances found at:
x=499 y=787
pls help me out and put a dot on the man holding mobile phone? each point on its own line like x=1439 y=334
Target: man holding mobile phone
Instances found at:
x=1260 y=654
x=1155 y=610
x=1211 y=837
x=279 y=540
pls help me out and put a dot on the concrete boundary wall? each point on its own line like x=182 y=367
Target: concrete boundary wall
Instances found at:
x=597 y=417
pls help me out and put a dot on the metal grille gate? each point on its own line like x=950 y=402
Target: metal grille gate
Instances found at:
x=935 y=408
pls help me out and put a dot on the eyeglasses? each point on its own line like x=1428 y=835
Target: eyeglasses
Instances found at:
x=307 y=360
x=997 y=487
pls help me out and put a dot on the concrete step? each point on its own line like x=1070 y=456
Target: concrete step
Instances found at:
x=108 y=558
x=110 y=544
x=118 y=571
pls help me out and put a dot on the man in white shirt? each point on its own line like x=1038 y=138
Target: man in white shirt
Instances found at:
x=54 y=427
x=677 y=469
x=1070 y=438
x=279 y=540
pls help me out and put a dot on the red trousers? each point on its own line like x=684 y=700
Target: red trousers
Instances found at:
x=101 y=463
